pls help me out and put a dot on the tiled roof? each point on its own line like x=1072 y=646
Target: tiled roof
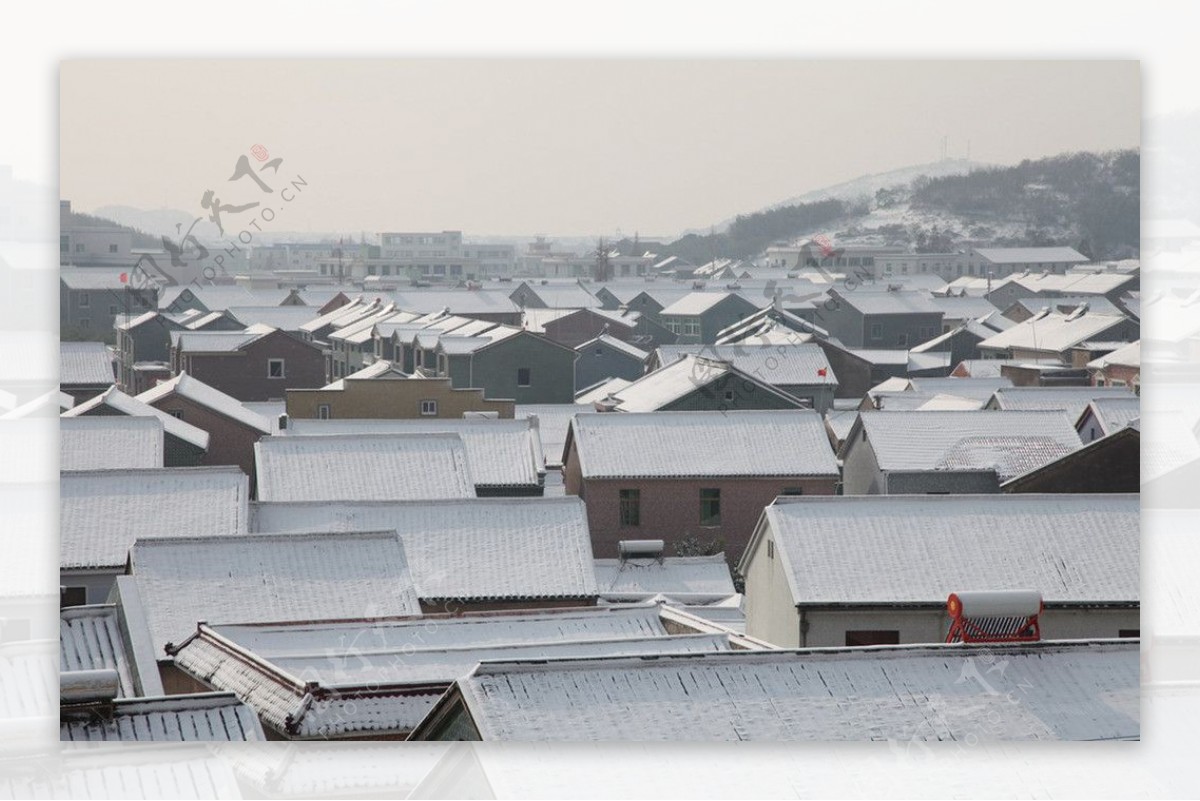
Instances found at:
x=465 y=302
x=866 y=549
x=285 y=318
x=213 y=341
x=500 y=453
x=1083 y=690
x=695 y=579
x=1005 y=441
x=689 y=374
x=1125 y=356
x=96 y=278
x=204 y=717
x=695 y=303
x=483 y=549
x=1053 y=332
x=119 y=401
x=363 y=467
x=901 y=302
x=687 y=444
x=1113 y=414
x=1050 y=255
x=198 y=392
x=1072 y=400
x=271 y=577
x=104 y=511
x=89 y=638
x=598 y=392
x=407 y=663
x=778 y=365
x=615 y=344
x=84 y=364
x=116 y=442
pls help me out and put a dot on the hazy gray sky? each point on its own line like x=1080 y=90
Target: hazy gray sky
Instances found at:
x=558 y=147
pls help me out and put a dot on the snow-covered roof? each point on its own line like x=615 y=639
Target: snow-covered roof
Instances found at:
x=703 y=444
x=889 y=549
x=778 y=365
x=213 y=341
x=691 y=579
x=600 y=390
x=562 y=296
x=1009 y=442
x=89 y=638
x=616 y=344
x=285 y=318
x=535 y=319
x=1129 y=355
x=182 y=581
x=1053 y=331
x=84 y=364
x=1072 y=400
x=363 y=467
x=97 y=278
x=1073 y=283
x=1080 y=690
x=1048 y=255
x=991 y=368
x=689 y=374
x=465 y=302
x=695 y=303
x=203 y=717
x=479 y=549
x=118 y=401
x=405 y=663
x=202 y=394
x=116 y=442
x=1113 y=414
x=500 y=453
x=898 y=302
x=103 y=512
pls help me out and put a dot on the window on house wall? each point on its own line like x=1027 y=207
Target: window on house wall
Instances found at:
x=710 y=507
x=79 y=248
x=902 y=340
x=112 y=248
x=73 y=596
x=323 y=412
x=1129 y=633
x=85 y=300
x=876 y=331
x=64 y=244
x=275 y=368
x=176 y=413
x=631 y=507
x=112 y=309
x=523 y=377
x=85 y=322
x=863 y=637
x=429 y=408
x=770 y=549
x=793 y=490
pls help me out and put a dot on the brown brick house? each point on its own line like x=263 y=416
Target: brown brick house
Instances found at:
x=233 y=429
x=258 y=364
x=698 y=480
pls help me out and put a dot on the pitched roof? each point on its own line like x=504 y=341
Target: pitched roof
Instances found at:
x=1113 y=414
x=685 y=444
x=406 y=663
x=125 y=404
x=484 y=549
x=695 y=303
x=295 y=576
x=694 y=579
x=690 y=373
x=500 y=453
x=1009 y=442
x=1082 y=690
x=203 y=717
x=84 y=364
x=615 y=344
x=363 y=467
x=600 y=390
x=103 y=512
x=778 y=365
x=200 y=393
x=110 y=442
x=1072 y=400
x=1049 y=255
x=1125 y=356
x=887 y=549
x=899 y=302
x=213 y=341
x=553 y=420
x=89 y=638
x=97 y=278
x=1053 y=331
x=285 y=318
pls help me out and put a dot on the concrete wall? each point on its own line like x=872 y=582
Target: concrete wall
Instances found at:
x=229 y=442
x=551 y=366
x=670 y=508
x=770 y=609
x=243 y=374
x=599 y=361
x=392 y=399
x=98 y=583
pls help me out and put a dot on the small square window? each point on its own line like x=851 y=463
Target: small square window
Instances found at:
x=73 y=596
x=429 y=408
x=323 y=412
x=729 y=394
x=275 y=368
x=112 y=248
x=523 y=377
x=902 y=340
x=176 y=413
x=85 y=300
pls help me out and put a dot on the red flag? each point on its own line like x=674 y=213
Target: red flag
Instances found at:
x=124 y=278
x=823 y=372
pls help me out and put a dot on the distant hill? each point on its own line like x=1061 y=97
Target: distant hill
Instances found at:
x=1089 y=201
x=172 y=223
